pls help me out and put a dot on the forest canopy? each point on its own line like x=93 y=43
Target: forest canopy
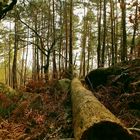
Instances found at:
x=45 y=39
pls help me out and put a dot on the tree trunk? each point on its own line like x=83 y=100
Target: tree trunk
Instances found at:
x=22 y=67
x=60 y=61
x=34 y=62
x=9 y=58
x=99 y=35
x=37 y=77
x=54 y=40
x=25 y=68
x=116 y=32
x=112 y=31
x=124 y=37
x=55 y=74
x=71 y=41
x=135 y=26
x=83 y=46
x=89 y=50
x=67 y=34
x=14 y=68
x=26 y=58
x=104 y=36
x=91 y=120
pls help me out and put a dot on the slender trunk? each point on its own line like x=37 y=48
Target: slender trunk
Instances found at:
x=37 y=50
x=37 y=67
x=135 y=26
x=67 y=34
x=99 y=35
x=54 y=40
x=89 y=49
x=124 y=38
x=46 y=67
x=34 y=62
x=14 y=67
x=61 y=40
x=9 y=58
x=5 y=65
x=22 y=67
x=47 y=61
x=9 y=62
x=25 y=68
x=83 y=45
x=71 y=41
x=55 y=74
x=112 y=31
x=43 y=22
x=34 y=57
x=116 y=33
x=104 y=35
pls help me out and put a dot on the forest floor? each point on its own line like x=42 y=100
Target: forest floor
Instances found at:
x=37 y=112
x=121 y=95
x=43 y=111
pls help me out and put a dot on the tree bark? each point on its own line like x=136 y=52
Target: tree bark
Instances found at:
x=112 y=31
x=135 y=27
x=67 y=34
x=71 y=41
x=124 y=36
x=99 y=34
x=91 y=119
x=116 y=30
x=14 y=67
x=104 y=35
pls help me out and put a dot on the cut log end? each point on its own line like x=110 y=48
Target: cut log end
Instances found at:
x=106 y=130
x=91 y=120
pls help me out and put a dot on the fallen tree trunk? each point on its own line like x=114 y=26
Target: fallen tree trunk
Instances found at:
x=91 y=120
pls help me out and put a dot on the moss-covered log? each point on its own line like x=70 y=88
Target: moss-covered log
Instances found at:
x=91 y=120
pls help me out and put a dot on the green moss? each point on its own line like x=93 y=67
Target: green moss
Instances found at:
x=64 y=84
x=7 y=90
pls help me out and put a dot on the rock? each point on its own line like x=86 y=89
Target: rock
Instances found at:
x=37 y=103
x=96 y=77
x=64 y=84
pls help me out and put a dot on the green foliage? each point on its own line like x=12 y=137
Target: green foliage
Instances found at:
x=64 y=84
x=36 y=86
x=6 y=112
x=37 y=103
x=7 y=104
x=7 y=90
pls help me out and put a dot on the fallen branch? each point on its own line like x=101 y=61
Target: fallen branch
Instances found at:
x=51 y=135
x=134 y=129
